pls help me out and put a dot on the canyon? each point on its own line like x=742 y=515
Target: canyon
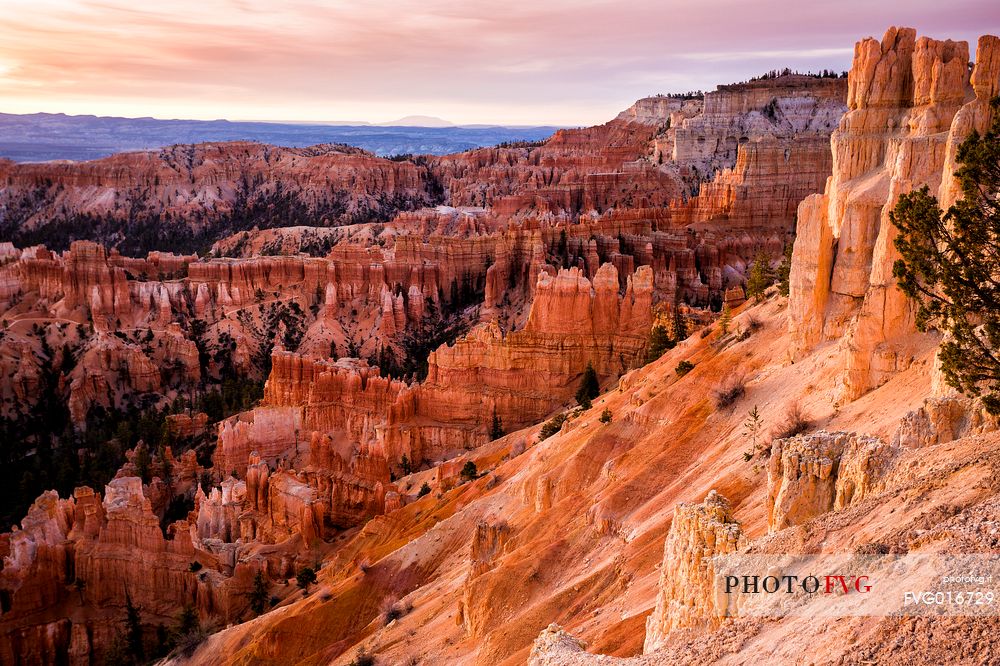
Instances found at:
x=421 y=327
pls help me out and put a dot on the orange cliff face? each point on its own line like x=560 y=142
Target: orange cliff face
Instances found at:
x=656 y=152
x=842 y=285
x=523 y=375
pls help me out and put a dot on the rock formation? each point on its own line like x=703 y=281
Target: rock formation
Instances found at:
x=808 y=475
x=97 y=552
x=523 y=375
x=688 y=594
x=910 y=102
x=225 y=185
x=943 y=419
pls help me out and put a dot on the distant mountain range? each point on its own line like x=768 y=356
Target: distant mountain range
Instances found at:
x=55 y=136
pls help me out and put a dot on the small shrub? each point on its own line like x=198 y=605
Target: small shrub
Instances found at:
x=585 y=404
x=424 y=490
x=873 y=548
x=393 y=610
x=730 y=392
x=750 y=326
x=552 y=426
x=705 y=332
x=683 y=368
x=186 y=644
x=391 y=615
x=469 y=471
x=795 y=423
x=747 y=456
x=195 y=566
x=363 y=658
x=305 y=577
x=606 y=416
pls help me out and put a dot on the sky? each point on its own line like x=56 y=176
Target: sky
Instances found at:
x=535 y=62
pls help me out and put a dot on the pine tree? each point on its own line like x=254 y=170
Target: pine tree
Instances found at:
x=752 y=428
x=168 y=468
x=187 y=620
x=305 y=577
x=142 y=461
x=760 y=277
x=680 y=331
x=725 y=319
x=590 y=388
x=496 y=426
x=469 y=471
x=258 y=595
x=133 y=630
x=948 y=264
x=785 y=270
x=659 y=343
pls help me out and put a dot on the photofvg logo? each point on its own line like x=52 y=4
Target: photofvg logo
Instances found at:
x=840 y=585
x=791 y=584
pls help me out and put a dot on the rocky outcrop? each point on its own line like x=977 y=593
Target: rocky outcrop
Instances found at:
x=186 y=426
x=488 y=542
x=556 y=647
x=37 y=561
x=687 y=595
x=809 y=475
x=909 y=106
x=739 y=114
x=941 y=420
x=274 y=433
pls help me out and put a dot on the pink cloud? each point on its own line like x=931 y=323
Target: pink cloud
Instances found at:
x=560 y=61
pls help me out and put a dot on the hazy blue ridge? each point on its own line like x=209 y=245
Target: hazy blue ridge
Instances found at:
x=43 y=136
